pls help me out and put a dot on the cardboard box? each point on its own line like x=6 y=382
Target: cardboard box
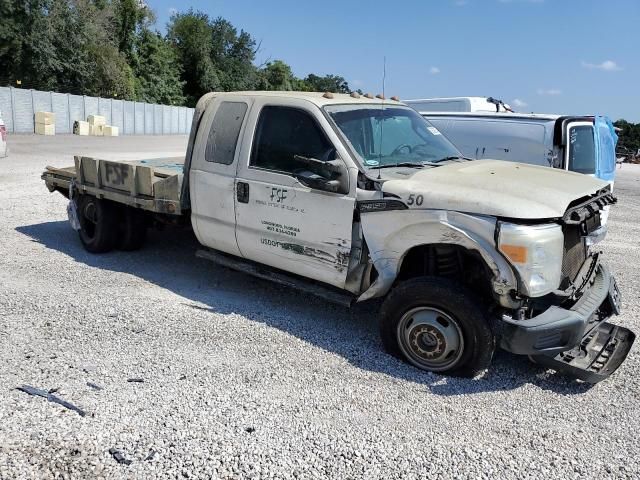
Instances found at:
x=42 y=129
x=97 y=120
x=110 y=131
x=97 y=130
x=81 y=128
x=46 y=118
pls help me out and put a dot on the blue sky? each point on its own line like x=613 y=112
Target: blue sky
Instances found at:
x=552 y=56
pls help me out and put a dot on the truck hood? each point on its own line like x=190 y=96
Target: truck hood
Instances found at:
x=494 y=187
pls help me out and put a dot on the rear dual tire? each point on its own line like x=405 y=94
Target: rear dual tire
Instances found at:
x=105 y=225
x=437 y=325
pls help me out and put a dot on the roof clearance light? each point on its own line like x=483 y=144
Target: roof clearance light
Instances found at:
x=355 y=95
x=328 y=95
x=380 y=96
x=368 y=95
x=395 y=98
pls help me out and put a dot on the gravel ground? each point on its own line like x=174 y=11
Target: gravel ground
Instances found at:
x=243 y=379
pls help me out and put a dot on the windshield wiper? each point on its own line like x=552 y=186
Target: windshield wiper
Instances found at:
x=455 y=157
x=400 y=164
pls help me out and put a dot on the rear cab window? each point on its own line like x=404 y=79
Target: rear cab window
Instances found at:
x=224 y=133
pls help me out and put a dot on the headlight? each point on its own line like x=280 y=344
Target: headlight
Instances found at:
x=536 y=253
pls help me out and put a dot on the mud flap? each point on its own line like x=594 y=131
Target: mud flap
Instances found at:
x=72 y=209
x=72 y=213
x=599 y=354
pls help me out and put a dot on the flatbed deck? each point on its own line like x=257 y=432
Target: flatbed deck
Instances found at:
x=152 y=184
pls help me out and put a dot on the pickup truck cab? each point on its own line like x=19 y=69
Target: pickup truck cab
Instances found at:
x=354 y=198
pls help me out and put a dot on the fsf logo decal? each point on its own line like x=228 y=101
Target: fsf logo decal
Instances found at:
x=278 y=194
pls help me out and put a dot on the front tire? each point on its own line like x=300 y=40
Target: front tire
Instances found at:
x=437 y=325
x=98 y=224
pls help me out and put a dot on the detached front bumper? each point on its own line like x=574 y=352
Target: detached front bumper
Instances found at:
x=578 y=340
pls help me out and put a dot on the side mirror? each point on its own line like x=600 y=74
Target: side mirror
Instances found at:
x=330 y=175
x=313 y=180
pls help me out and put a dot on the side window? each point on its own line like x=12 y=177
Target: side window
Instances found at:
x=223 y=136
x=284 y=132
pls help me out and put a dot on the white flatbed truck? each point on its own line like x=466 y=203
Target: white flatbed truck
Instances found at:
x=354 y=198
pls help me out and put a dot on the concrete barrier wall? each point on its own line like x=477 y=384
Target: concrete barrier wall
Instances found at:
x=18 y=107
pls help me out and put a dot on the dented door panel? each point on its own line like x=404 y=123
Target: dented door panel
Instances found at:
x=292 y=227
x=287 y=225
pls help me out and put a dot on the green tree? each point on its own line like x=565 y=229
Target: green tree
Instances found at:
x=130 y=18
x=190 y=33
x=111 y=73
x=277 y=75
x=26 y=50
x=107 y=48
x=157 y=71
x=69 y=27
x=233 y=56
x=628 y=137
x=212 y=55
x=64 y=45
x=328 y=83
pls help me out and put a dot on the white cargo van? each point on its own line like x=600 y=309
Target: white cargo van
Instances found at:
x=583 y=144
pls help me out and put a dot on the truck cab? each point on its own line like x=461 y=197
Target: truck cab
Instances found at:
x=354 y=198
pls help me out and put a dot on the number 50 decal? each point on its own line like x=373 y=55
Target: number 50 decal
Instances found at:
x=415 y=199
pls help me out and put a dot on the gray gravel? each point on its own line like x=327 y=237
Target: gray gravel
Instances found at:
x=242 y=379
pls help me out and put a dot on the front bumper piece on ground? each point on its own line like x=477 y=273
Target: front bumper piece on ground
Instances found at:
x=578 y=341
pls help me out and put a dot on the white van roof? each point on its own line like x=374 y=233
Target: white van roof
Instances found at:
x=458 y=104
x=505 y=115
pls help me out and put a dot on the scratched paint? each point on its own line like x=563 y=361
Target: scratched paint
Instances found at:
x=339 y=261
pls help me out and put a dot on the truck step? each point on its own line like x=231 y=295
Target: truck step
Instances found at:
x=279 y=277
x=599 y=354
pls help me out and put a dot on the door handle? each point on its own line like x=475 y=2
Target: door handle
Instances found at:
x=242 y=192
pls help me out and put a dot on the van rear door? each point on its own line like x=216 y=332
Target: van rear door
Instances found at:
x=591 y=147
x=580 y=152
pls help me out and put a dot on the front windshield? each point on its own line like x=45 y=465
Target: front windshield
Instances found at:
x=391 y=135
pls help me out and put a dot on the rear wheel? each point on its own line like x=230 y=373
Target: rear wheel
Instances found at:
x=98 y=224
x=437 y=325
x=133 y=232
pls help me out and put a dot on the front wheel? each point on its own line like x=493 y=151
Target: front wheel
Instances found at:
x=437 y=325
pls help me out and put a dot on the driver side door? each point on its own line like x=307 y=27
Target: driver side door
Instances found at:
x=280 y=221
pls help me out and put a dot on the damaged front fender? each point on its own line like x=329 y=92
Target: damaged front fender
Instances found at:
x=390 y=235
